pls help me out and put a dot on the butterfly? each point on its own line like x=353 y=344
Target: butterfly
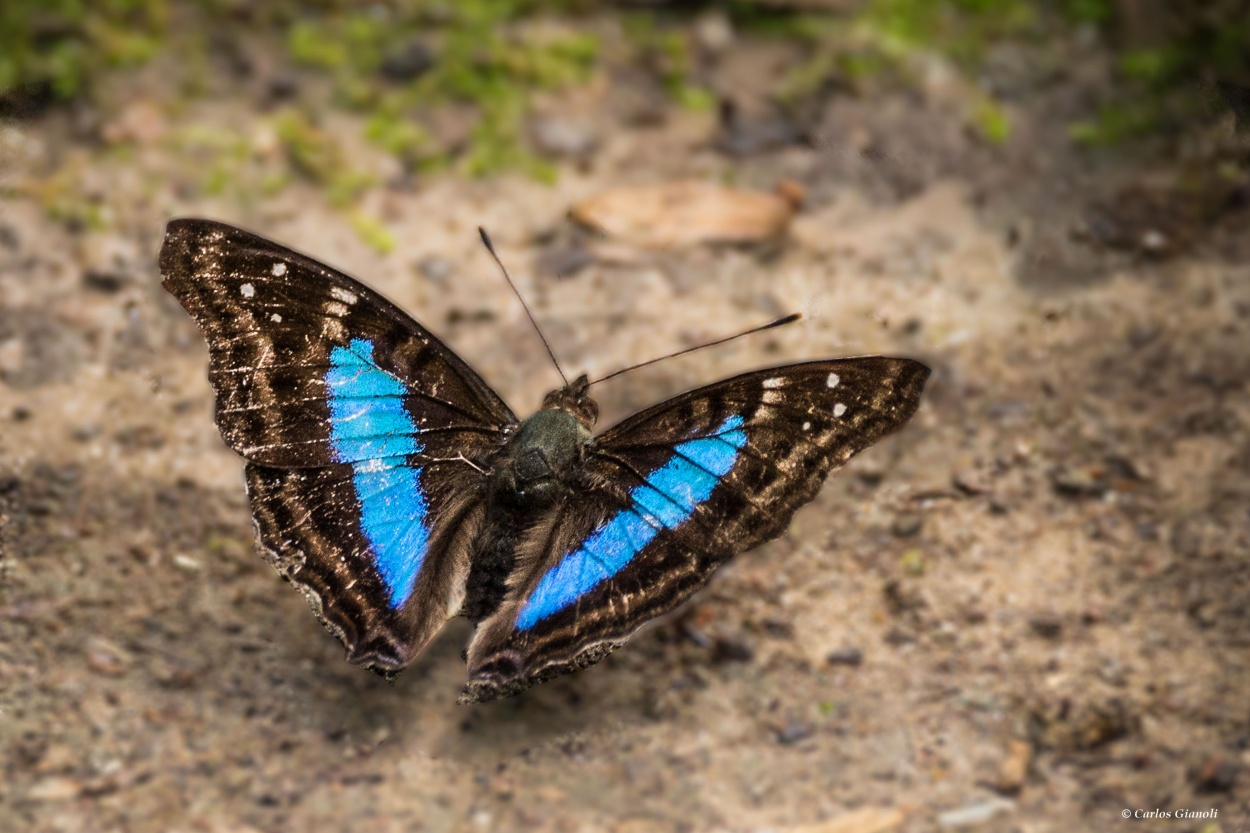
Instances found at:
x=396 y=490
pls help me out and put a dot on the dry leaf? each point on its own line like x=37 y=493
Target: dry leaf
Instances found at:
x=1015 y=766
x=688 y=213
x=863 y=820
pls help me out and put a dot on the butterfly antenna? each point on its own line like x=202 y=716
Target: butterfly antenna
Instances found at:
x=490 y=247
x=780 y=322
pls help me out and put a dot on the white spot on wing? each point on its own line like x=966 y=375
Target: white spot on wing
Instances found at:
x=279 y=269
x=839 y=409
x=807 y=426
x=343 y=295
x=771 y=397
x=773 y=383
x=336 y=309
x=248 y=290
x=332 y=329
x=833 y=380
x=276 y=318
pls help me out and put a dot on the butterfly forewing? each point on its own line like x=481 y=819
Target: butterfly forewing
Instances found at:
x=360 y=429
x=669 y=495
x=281 y=328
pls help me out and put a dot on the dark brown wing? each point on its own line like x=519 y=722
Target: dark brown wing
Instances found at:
x=360 y=429
x=670 y=494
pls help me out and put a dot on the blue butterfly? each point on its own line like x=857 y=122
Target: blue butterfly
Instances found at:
x=396 y=490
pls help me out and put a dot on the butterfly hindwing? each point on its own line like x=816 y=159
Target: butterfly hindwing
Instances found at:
x=382 y=597
x=670 y=494
x=359 y=428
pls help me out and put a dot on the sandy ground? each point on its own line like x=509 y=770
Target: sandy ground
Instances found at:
x=1030 y=605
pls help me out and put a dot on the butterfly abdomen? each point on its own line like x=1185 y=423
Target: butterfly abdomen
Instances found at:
x=494 y=556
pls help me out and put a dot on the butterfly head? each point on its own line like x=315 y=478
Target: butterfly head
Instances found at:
x=574 y=399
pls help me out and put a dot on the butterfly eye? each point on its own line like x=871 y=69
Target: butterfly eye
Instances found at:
x=591 y=411
x=574 y=400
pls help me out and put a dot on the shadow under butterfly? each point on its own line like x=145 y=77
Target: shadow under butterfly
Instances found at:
x=396 y=490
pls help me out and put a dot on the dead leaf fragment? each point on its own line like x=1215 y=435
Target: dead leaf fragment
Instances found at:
x=863 y=820
x=103 y=657
x=141 y=122
x=688 y=213
x=57 y=788
x=1015 y=766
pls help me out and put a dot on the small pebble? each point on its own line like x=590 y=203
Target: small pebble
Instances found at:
x=1046 y=625
x=568 y=136
x=694 y=633
x=106 y=281
x=714 y=32
x=733 y=649
x=741 y=136
x=282 y=87
x=103 y=658
x=778 y=628
x=871 y=474
x=897 y=636
x=1112 y=673
x=1154 y=242
x=187 y=563
x=1217 y=774
x=1077 y=481
x=409 y=62
x=563 y=261
x=794 y=731
x=971 y=481
x=980 y=701
x=973 y=815
x=477 y=316
x=109 y=261
x=43 y=508
x=907 y=524
x=851 y=656
x=435 y=268
x=84 y=433
x=901 y=598
x=452 y=126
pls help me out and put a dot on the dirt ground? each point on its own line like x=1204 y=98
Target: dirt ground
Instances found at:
x=1027 y=611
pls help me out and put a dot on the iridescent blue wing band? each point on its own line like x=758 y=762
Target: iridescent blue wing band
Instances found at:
x=666 y=499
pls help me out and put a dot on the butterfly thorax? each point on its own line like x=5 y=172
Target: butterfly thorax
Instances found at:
x=541 y=456
x=539 y=459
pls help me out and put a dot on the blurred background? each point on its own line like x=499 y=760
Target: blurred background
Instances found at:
x=1026 y=611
